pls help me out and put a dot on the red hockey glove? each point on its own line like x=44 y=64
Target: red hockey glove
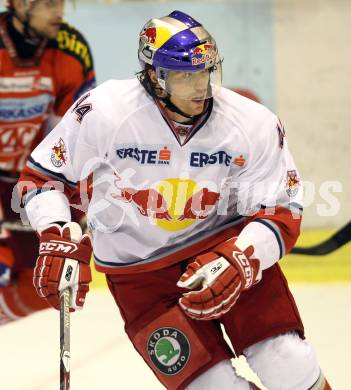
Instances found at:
x=64 y=257
x=222 y=275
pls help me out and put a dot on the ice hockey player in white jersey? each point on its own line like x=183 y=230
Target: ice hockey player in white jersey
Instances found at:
x=195 y=199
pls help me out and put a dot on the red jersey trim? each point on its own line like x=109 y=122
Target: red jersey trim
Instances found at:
x=183 y=254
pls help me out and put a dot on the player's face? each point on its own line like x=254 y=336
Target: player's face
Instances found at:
x=45 y=17
x=189 y=90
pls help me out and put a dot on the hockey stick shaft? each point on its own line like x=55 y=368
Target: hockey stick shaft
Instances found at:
x=336 y=241
x=15 y=226
x=65 y=340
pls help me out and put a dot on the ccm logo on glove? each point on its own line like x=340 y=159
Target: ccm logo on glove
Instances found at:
x=219 y=277
x=63 y=262
x=248 y=270
x=57 y=246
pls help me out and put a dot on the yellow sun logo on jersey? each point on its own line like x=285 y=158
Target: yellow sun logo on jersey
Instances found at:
x=175 y=192
x=186 y=202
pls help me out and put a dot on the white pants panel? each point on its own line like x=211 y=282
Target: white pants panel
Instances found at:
x=221 y=376
x=284 y=362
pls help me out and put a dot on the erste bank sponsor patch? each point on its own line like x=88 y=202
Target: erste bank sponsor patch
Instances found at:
x=24 y=108
x=200 y=159
x=146 y=154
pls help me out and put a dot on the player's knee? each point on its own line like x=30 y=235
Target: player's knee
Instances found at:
x=284 y=362
x=220 y=376
x=19 y=299
x=321 y=383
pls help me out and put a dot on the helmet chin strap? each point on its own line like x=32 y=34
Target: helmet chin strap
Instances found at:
x=172 y=107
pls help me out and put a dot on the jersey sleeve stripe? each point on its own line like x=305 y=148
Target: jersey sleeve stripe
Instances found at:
x=275 y=229
x=31 y=194
x=296 y=208
x=292 y=207
x=53 y=175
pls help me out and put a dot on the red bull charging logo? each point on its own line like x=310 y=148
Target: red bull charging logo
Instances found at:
x=156 y=35
x=203 y=53
x=173 y=204
x=150 y=34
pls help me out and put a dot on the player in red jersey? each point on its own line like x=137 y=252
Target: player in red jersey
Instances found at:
x=45 y=64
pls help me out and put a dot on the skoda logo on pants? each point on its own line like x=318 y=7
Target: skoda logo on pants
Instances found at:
x=169 y=350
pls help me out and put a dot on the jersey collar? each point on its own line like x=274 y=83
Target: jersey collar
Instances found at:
x=200 y=122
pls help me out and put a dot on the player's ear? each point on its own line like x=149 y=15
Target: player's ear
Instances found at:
x=156 y=86
x=152 y=76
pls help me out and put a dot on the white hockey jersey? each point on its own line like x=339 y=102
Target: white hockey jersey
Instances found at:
x=158 y=198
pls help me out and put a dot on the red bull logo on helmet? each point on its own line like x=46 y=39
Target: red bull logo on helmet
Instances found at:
x=203 y=53
x=149 y=34
x=155 y=35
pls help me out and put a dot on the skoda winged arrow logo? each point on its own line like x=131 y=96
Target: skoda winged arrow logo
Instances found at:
x=165 y=350
x=169 y=350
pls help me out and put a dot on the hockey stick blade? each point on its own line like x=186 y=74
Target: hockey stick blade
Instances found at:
x=340 y=238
